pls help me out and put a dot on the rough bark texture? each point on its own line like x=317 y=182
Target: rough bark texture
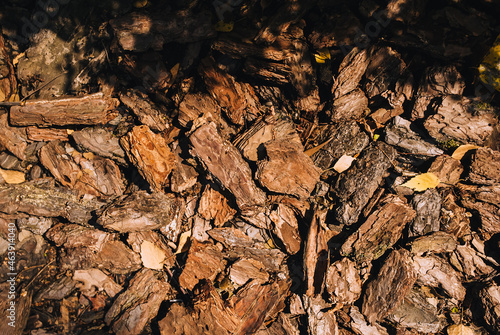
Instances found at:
x=381 y=230
x=150 y=154
x=389 y=288
x=225 y=163
x=94 y=109
x=358 y=184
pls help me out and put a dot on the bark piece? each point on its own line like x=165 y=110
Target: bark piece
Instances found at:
x=400 y=135
x=381 y=230
x=265 y=129
x=183 y=177
x=101 y=142
x=57 y=290
x=213 y=206
x=224 y=162
x=342 y=139
x=418 y=312
x=240 y=245
x=436 y=82
x=382 y=76
x=435 y=272
x=257 y=302
x=343 y=282
x=389 y=288
x=455 y=119
x=351 y=106
x=151 y=72
x=286 y=228
x=351 y=71
x=454 y=219
x=12 y=138
x=46 y=134
x=356 y=186
x=204 y=261
x=93 y=109
x=35 y=224
x=287 y=170
x=316 y=256
x=97 y=176
x=139 y=304
x=147 y=112
x=42 y=198
x=91 y=248
x=150 y=154
x=194 y=105
x=8 y=83
x=237 y=99
x=486 y=201
x=179 y=321
x=136 y=241
x=138 y=31
x=485 y=167
x=428 y=208
x=96 y=278
x=140 y=211
x=468 y=261
x=437 y=242
x=359 y=325
x=244 y=270
x=447 y=169
x=490 y=302
x=321 y=319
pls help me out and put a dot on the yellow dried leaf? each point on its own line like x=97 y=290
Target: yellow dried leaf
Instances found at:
x=322 y=55
x=152 y=256
x=460 y=330
x=88 y=155
x=224 y=27
x=183 y=242
x=14 y=97
x=459 y=152
x=69 y=131
x=174 y=70
x=312 y=151
x=343 y=163
x=422 y=182
x=140 y=3
x=489 y=69
x=12 y=177
x=17 y=58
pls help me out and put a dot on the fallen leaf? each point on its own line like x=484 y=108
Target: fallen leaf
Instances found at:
x=322 y=55
x=69 y=131
x=12 y=176
x=343 y=163
x=152 y=256
x=422 y=182
x=183 y=245
x=17 y=58
x=459 y=152
x=312 y=151
x=460 y=330
x=224 y=27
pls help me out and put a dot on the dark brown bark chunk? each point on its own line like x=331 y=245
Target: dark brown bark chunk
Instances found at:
x=485 y=167
x=356 y=186
x=134 y=308
x=381 y=230
x=287 y=169
x=224 y=162
x=389 y=288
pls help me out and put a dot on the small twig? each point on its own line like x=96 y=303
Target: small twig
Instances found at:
x=39 y=272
